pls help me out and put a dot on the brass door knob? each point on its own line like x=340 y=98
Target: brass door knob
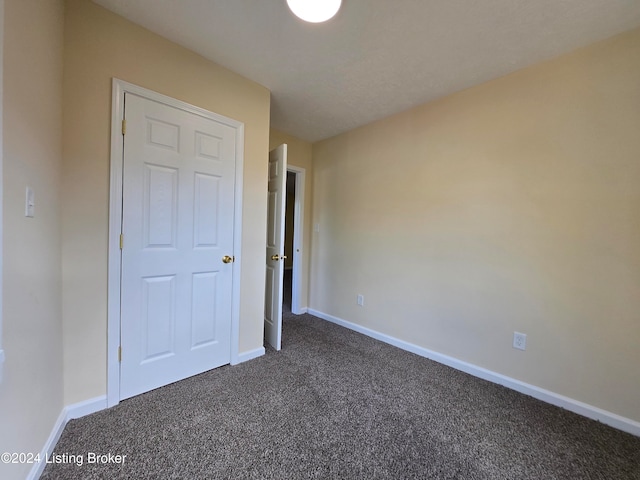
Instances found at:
x=228 y=259
x=278 y=257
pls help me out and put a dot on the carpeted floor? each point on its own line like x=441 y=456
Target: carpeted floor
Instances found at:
x=334 y=404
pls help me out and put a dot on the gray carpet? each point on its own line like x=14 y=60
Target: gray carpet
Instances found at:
x=336 y=404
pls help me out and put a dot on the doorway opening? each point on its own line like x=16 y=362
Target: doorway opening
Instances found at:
x=294 y=239
x=289 y=226
x=139 y=343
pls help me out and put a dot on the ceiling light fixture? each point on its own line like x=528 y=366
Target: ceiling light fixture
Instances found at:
x=314 y=11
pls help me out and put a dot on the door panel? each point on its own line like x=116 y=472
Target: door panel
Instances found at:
x=203 y=306
x=178 y=204
x=160 y=206
x=207 y=193
x=158 y=317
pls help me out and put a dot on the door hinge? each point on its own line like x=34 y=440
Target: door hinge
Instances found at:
x=124 y=127
x=121 y=241
x=120 y=354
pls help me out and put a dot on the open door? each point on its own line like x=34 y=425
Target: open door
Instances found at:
x=275 y=246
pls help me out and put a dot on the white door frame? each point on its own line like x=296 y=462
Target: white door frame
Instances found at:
x=119 y=88
x=298 y=239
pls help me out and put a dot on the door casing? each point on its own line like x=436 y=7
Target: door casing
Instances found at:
x=119 y=88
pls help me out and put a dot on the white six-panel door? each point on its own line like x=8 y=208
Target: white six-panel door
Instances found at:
x=178 y=214
x=275 y=246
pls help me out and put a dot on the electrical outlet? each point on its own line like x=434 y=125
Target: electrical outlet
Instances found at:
x=361 y=300
x=520 y=340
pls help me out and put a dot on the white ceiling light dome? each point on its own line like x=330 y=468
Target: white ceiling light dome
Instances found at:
x=314 y=11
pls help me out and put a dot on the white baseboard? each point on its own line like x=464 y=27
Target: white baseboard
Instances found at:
x=617 y=421
x=80 y=409
x=301 y=311
x=69 y=412
x=54 y=436
x=250 y=355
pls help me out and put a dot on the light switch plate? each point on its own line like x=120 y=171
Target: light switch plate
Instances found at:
x=29 y=204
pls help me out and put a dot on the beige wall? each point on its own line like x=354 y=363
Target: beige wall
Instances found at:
x=514 y=205
x=100 y=45
x=31 y=394
x=299 y=155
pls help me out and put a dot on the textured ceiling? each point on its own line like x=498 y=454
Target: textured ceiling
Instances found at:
x=376 y=57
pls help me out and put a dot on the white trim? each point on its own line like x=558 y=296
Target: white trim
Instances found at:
x=298 y=239
x=617 y=421
x=82 y=409
x=249 y=355
x=69 y=412
x=119 y=88
x=237 y=245
x=114 y=267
